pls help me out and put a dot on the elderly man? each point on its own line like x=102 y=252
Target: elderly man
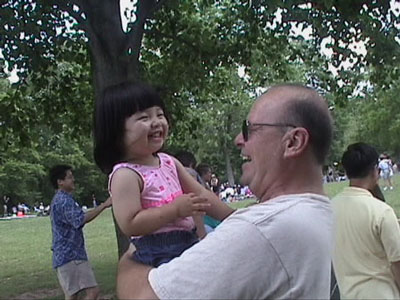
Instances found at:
x=279 y=248
x=367 y=251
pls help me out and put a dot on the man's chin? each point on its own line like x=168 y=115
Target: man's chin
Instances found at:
x=244 y=181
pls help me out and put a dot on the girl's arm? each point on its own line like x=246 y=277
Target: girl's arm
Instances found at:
x=133 y=220
x=218 y=209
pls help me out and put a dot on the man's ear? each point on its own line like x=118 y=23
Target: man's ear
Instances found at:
x=295 y=141
x=375 y=176
x=59 y=182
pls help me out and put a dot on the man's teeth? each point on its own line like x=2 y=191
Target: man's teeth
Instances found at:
x=246 y=158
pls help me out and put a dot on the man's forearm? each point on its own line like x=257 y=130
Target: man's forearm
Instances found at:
x=92 y=214
x=218 y=210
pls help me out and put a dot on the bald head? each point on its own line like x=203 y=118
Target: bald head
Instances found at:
x=304 y=107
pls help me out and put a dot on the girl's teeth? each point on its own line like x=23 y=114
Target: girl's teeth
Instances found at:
x=156 y=135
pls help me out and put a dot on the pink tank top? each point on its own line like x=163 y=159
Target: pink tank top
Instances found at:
x=160 y=186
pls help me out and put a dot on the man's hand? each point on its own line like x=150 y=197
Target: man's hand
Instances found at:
x=132 y=282
x=93 y=213
x=190 y=205
x=108 y=202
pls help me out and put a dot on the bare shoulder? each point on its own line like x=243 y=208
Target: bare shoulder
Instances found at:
x=178 y=164
x=126 y=178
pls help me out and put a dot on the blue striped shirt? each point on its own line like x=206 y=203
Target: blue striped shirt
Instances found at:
x=67 y=220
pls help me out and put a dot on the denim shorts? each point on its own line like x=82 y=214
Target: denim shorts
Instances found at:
x=159 y=248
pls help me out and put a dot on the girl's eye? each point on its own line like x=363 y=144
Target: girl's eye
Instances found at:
x=161 y=114
x=143 y=118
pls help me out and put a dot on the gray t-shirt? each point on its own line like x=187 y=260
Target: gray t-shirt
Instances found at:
x=277 y=249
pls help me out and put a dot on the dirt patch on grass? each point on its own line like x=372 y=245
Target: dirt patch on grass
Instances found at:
x=41 y=294
x=52 y=294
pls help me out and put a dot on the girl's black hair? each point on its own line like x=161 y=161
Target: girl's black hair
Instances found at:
x=116 y=104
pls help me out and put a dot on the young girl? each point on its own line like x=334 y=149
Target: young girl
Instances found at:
x=154 y=198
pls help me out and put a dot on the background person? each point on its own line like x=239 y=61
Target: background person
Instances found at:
x=6 y=204
x=367 y=249
x=189 y=162
x=385 y=167
x=279 y=248
x=204 y=170
x=94 y=201
x=214 y=183
x=67 y=220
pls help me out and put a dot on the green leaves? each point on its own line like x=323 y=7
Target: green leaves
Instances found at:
x=44 y=122
x=192 y=51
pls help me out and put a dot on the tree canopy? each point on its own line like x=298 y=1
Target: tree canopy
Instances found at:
x=62 y=49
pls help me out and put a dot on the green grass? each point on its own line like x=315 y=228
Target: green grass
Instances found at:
x=241 y=204
x=392 y=197
x=25 y=255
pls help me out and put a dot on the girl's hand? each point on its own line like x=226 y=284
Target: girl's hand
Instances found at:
x=190 y=205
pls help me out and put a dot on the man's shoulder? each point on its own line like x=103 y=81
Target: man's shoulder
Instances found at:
x=352 y=192
x=282 y=207
x=63 y=199
x=361 y=198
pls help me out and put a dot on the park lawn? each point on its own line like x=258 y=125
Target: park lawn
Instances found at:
x=25 y=255
x=392 y=197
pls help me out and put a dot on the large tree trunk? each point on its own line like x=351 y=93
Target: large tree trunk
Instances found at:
x=123 y=241
x=113 y=61
x=228 y=164
x=114 y=53
x=227 y=152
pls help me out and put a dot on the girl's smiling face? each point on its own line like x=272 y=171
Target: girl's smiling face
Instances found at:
x=145 y=132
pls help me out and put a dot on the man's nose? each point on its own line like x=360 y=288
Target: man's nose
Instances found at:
x=239 y=141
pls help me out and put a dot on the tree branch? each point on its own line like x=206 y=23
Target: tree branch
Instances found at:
x=82 y=23
x=134 y=39
x=67 y=6
x=178 y=38
x=158 y=5
x=104 y=25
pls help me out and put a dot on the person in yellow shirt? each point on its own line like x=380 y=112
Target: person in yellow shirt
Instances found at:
x=366 y=258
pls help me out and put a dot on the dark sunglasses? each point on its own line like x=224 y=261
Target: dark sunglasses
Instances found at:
x=246 y=124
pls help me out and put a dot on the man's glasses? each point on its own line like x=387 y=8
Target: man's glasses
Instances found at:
x=246 y=125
